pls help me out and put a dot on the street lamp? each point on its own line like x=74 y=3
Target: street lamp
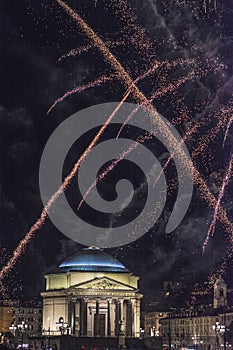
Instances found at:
x=13 y=328
x=196 y=339
x=63 y=326
x=22 y=327
x=220 y=330
x=46 y=332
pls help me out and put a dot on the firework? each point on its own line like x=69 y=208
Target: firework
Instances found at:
x=227 y=131
x=81 y=88
x=143 y=44
x=30 y=234
x=86 y=48
x=217 y=206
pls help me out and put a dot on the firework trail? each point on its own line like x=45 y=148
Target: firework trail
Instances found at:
x=128 y=83
x=159 y=93
x=75 y=52
x=139 y=98
x=82 y=49
x=30 y=234
x=216 y=209
x=199 y=149
x=124 y=154
x=13 y=284
x=227 y=131
x=222 y=117
x=132 y=147
x=81 y=88
x=189 y=134
x=205 y=193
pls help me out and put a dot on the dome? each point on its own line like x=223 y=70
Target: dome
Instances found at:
x=90 y=260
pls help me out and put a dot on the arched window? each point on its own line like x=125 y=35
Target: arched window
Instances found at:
x=221 y=292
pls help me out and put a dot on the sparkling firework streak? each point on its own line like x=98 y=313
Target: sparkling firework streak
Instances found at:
x=126 y=80
x=82 y=49
x=216 y=209
x=222 y=117
x=81 y=88
x=189 y=134
x=159 y=93
x=133 y=146
x=129 y=84
x=30 y=234
x=112 y=166
x=204 y=190
x=227 y=131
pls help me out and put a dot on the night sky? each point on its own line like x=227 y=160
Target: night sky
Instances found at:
x=34 y=35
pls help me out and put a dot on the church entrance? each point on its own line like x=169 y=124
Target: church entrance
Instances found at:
x=102 y=325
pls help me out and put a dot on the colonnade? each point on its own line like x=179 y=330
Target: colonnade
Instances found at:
x=102 y=316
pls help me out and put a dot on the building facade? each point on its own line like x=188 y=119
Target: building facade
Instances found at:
x=7 y=308
x=31 y=315
x=205 y=329
x=91 y=294
x=196 y=330
x=152 y=323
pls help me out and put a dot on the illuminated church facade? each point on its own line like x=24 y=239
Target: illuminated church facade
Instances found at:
x=91 y=294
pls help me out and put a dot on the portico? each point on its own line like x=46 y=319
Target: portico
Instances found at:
x=93 y=292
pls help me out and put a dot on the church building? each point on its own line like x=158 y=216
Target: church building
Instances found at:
x=91 y=294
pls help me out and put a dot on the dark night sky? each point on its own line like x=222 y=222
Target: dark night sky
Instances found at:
x=34 y=34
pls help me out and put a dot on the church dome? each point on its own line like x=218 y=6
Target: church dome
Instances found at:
x=90 y=260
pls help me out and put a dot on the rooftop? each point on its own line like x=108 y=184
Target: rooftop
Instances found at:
x=90 y=260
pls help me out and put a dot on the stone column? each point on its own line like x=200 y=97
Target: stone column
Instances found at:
x=121 y=314
x=133 y=312
x=109 y=318
x=97 y=324
x=83 y=317
x=137 y=318
x=117 y=319
x=72 y=317
x=77 y=317
x=129 y=319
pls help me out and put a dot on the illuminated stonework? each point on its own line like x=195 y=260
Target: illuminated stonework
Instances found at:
x=92 y=292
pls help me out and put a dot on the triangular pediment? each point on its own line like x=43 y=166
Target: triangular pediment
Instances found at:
x=103 y=283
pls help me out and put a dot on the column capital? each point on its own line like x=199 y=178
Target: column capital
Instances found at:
x=73 y=299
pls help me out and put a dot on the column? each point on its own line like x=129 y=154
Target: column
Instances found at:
x=83 y=317
x=133 y=311
x=97 y=325
x=137 y=318
x=117 y=319
x=77 y=317
x=121 y=314
x=129 y=319
x=72 y=317
x=109 y=318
